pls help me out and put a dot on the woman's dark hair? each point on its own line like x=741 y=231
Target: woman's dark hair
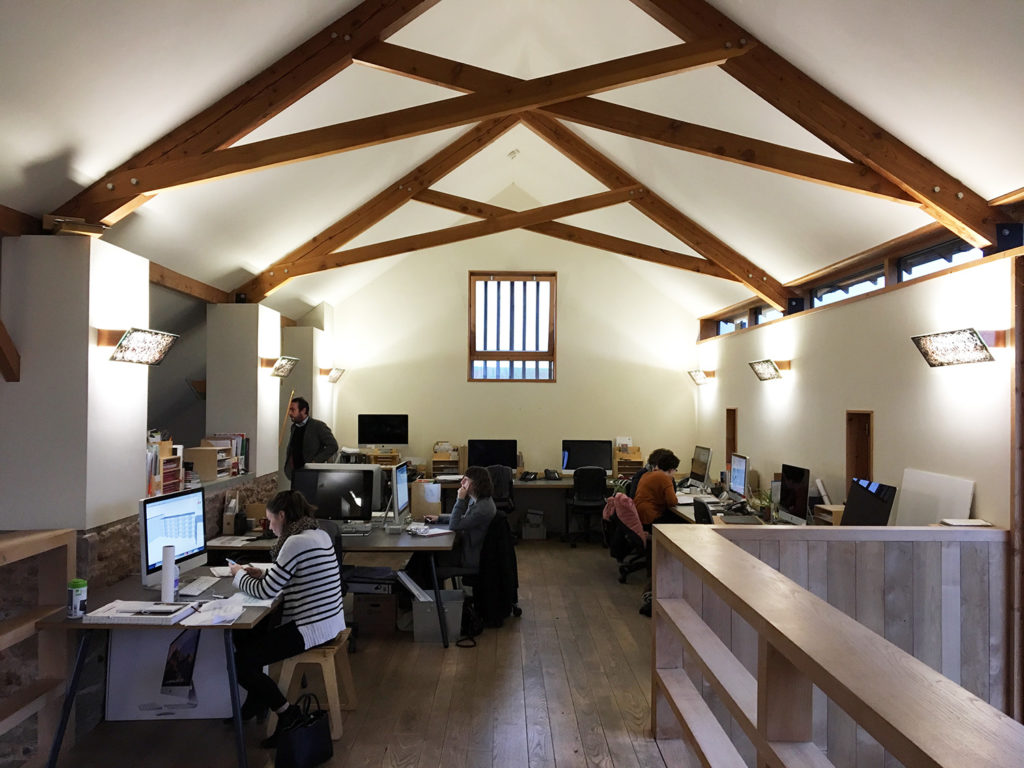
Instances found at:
x=666 y=461
x=293 y=504
x=483 y=488
x=652 y=460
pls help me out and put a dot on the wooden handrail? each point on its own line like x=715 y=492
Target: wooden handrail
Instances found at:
x=919 y=716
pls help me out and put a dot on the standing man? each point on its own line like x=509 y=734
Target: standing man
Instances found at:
x=311 y=441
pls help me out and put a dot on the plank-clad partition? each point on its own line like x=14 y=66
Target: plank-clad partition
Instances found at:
x=750 y=666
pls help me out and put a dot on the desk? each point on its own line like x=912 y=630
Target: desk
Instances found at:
x=378 y=541
x=132 y=589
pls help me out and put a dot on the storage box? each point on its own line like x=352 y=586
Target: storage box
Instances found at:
x=375 y=614
x=425 y=626
x=533 y=525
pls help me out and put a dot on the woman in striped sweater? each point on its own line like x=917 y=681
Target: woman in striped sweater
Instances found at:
x=305 y=573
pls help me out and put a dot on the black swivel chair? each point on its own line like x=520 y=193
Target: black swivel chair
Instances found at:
x=589 y=495
x=701 y=512
x=501 y=480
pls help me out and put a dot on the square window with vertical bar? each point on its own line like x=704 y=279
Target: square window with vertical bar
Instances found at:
x=512 y=326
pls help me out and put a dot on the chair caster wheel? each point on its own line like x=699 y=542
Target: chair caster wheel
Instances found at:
x=517 y=611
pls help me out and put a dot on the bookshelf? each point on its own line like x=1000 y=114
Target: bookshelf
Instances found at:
x=451 y=462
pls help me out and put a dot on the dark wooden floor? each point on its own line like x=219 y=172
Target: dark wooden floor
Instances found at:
x=567 y=684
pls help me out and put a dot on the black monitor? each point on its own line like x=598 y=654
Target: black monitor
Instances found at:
x=485 y=453
x=587 y=453
x=337 y=494
x=699 y=465
x=793 y=493
x=383 y=428
x=868 y=503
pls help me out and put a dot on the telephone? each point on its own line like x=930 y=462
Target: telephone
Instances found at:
x=552 y=474
x=527 y=476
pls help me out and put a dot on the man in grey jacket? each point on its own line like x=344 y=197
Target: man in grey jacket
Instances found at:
x=311 y=441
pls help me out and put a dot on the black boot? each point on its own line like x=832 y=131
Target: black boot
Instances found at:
x=250 y=708
x=285 y=720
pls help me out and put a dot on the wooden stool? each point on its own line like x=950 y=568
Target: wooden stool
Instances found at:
x=332 y=660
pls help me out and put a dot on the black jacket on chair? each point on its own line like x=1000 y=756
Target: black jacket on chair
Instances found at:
x=496 y=585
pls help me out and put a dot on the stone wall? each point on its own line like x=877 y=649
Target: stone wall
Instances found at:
x=105 y=555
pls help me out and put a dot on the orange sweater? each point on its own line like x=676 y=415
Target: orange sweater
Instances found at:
x=654 y=494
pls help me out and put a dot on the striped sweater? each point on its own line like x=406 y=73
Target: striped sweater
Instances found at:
x=306 y=575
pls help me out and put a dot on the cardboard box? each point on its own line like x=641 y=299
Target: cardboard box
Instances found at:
x=375 y=614
x=425 y=626
x=535 y=532
x=424 y=499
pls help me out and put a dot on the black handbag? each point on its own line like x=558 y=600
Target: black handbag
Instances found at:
x=307 y=742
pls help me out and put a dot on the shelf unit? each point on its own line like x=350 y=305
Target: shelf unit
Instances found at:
x=386 y=458
x=628 y=463
x=212 y=463
x=170 y=477
x=448 y=462
x=55 y=554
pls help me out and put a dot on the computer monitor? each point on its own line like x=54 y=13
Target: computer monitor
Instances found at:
x=587 y=453
x=868 y=503
x=699 y=465
x=379 y=491
x=340 y=493
x=793 y=492
x=383 y=428
x=484 y=453
x=738 y=477
x=399 y=490
x=176 y=518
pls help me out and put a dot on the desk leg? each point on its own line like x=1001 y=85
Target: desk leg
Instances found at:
x=69 y=697
x=236 y=707
x=439 y=602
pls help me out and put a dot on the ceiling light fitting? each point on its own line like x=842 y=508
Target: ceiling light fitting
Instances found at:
x=71 y=225
x=136 y=345
x=332 y=374
x=701 y=377
x=767 y=370
x=282 y=366
x=958 y=347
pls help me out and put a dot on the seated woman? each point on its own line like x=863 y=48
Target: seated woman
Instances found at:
x=655 y=497
x=305 y=573
x=472 y=514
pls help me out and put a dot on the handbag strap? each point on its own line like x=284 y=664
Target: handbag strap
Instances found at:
x=306 y=703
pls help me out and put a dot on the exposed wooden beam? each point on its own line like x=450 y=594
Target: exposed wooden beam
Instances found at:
x=425 y=118
x=659 y=211
x=274 y=280
x=250 y=105
x=176 y=281
x=386 y=201
x=626 y=121
x=14 y=223
x=579 y=235
x=10 y=360
x=945 y=198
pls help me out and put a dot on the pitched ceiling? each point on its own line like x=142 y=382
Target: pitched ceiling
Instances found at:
x=877 y=103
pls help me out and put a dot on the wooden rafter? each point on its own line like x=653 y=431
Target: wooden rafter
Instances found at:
x=176 y=281
x=943 y=197
x=385 y=202
x=637 y=124
x=10 y=360
x=659 y=211
x=14 y=223
x=517 y=220
x=253 y=103
x=426 y=118
x=579 y=235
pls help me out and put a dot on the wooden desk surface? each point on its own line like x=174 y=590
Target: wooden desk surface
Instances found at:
x=377 y=540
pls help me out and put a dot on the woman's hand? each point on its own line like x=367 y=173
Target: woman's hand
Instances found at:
x=256 y=573
x=464 y=488
x=429 y=519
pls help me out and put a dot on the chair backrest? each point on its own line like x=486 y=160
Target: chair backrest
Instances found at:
x=589 y=483
x=334 y=531
x=501 y=479
x=701 y=513
x=634 y=481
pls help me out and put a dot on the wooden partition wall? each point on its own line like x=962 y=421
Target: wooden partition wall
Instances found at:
x=738 y=626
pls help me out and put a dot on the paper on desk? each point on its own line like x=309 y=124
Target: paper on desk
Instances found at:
x=230 y=541
x=447 y=479
x=224 y=611
x=423 y=530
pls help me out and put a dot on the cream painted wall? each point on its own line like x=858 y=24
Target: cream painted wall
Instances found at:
x=859 y=356
x=624 y=341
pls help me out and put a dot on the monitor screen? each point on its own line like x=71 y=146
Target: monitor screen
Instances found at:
x=793 y=492
x=400 y=489
x=177 y=519
x=484 y=453
x=340 y=493
x=699 y=464
x=868 y=503
x=738 y=477
x=383 y=429
x=587 y=453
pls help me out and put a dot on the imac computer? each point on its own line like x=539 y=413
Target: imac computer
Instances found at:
x=382 y=428
x=738 y=477
x=339 y=493
x=399 y=490
x=486 y=453
x=178 y=519
x=793 y=492
x=587 y=453
x=699 y=466
x=377 y=500
x=868 y=503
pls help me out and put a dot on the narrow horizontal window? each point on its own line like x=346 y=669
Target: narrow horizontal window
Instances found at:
x=848 y=287
x=949 y=254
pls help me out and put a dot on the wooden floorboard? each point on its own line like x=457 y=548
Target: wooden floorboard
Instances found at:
x=565 y=685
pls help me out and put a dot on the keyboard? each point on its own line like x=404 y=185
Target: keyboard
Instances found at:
x=355 y=529
x=742 y=520
x=198 y=586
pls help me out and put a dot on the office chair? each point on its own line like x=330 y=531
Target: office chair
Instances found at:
x=701 y=512
x=624 y=544
x=588 y=497
x=496 y=583
x=501 y=480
